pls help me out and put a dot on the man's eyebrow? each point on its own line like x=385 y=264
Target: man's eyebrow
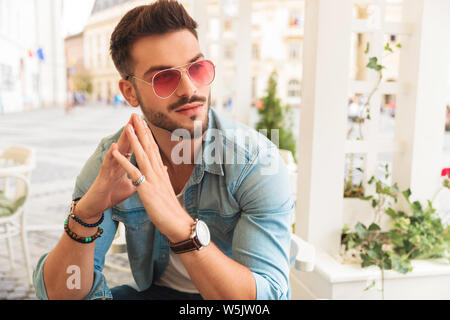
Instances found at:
x=159 y=68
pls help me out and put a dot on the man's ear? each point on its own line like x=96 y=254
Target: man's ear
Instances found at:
x=128 y=92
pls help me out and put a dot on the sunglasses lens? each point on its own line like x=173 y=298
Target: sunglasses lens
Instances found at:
x=202 y=72
x=166 y=82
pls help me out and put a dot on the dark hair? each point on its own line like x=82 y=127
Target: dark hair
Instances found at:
x=158 y=18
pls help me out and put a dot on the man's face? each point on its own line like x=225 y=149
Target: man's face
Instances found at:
x=167 y=51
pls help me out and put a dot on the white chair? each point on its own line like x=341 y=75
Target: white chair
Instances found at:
x=14 y=196
x=16 y=164
x=18 y=159
x=303 y=254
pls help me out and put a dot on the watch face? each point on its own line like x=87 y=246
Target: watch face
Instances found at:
x=203 y=233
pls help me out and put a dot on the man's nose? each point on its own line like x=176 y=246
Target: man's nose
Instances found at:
x=186 y=87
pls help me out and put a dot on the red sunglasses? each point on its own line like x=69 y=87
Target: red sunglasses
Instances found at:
x=166 y=82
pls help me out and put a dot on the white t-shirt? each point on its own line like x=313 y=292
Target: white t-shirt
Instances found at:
x=176 y=276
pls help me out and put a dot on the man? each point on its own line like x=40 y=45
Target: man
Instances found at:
x=195 y=229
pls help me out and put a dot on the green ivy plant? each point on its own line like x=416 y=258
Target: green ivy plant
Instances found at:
x=352 y=190
x=415 y=234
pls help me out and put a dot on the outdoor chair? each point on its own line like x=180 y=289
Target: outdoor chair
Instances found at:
x=18 y=159
x=16 y=165
x=14 y=193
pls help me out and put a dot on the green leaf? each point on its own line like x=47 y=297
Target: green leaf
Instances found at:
x=374 y=254
x=391 y=213
x=373 y=64
x=374 y=227
x=401 y=265
x=396 y=238
x=416 y=207
x=387 y=47
x=361 y=230
x=367 y=48
x=366 y=260
x=370 y=286
x=345 y=229
x=399 y=45
x=374 y=203
x=351 y=244
x=407 y=194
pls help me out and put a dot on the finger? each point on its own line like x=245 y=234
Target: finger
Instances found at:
x=151 y=145
x=142 y=136
x=123 y=143
x=130 y=169
x=109 y=155
x=141 y=157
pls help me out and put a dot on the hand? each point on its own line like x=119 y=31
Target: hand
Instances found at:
x=156 y=192
x=111 y=186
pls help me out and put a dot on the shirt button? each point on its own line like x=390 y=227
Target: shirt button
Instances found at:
x=163 y=256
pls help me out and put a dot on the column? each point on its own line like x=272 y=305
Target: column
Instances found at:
x=420 y=118
x=243 y=85
x=326 y=67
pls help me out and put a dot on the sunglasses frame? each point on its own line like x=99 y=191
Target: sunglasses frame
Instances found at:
x=181 y=68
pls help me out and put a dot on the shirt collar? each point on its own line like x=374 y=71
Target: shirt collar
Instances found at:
x=208 y=164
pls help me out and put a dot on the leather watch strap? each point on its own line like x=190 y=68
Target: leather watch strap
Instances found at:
x=185 y=246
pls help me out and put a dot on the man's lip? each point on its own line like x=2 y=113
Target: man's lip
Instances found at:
x=189 y=106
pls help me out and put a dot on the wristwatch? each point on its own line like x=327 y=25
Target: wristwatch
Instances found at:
x=199 y=239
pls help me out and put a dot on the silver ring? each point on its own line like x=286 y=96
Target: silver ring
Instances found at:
x=139 y=181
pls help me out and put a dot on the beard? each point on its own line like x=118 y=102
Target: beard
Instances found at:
x=163 y=121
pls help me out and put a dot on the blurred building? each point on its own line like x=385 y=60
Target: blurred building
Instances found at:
x=105 y=15
x=32 y=66
x=74 y=53
x=277 y=40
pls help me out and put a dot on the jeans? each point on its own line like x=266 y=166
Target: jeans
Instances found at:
x=153 y=293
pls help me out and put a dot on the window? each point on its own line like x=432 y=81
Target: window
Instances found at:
x=295 y=19
x=294 y=50
x=6 y=77
x=229 y=52
x=294 y=88
x=228 y=26
x=256 y=53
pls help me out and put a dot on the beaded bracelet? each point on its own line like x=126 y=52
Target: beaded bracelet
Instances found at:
x=83 y=240
x=84 y=224
x=87 y=225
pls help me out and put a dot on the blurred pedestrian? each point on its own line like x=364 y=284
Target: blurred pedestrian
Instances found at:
x=70 y=103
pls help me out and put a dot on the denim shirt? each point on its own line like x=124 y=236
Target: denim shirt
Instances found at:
x=246 y=202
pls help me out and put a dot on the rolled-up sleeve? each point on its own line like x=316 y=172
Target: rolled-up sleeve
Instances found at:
x=99 y=291
x=262 y=235
x=85 y=179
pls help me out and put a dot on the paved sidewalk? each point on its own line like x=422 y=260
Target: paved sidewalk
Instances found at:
x=63 y=143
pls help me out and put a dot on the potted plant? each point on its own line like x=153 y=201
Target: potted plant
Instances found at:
x=416 y=233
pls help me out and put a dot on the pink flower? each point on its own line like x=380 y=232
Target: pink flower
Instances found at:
x=445 y=172
x=259 y=104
